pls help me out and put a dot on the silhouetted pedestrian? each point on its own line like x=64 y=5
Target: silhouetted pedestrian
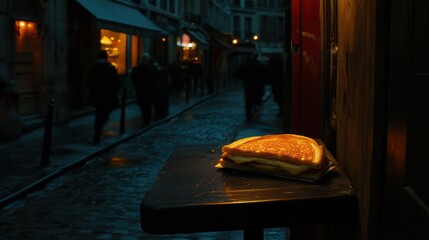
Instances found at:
x=252 y=73
x=162 y=90
x=144 y=82
x=196 y=73
x=104 y=85
x=176 y=75
x=276 y=78
x=186 y=67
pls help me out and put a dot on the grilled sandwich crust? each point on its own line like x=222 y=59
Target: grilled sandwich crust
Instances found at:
x=289 y=148
x=308 y=174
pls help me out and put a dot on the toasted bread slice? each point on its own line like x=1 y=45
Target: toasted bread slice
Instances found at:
x=293 y=153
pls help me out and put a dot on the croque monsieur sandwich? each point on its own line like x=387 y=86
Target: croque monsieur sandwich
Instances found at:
x=280 y=154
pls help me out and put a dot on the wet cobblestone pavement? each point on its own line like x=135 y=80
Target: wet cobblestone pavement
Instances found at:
x=101 y=199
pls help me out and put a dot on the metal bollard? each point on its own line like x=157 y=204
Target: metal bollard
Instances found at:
x=47 y=138
x=187 y=88
x=123 y=104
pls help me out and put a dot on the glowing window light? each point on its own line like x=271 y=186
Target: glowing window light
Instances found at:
x=25 y=28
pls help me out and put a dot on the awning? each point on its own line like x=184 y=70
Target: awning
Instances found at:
x=197 y=36
x=219 y=39
x=248 y=48
x=119 y=17
x=272 y=50
x=224 y=40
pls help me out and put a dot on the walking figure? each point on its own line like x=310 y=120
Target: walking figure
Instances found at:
x=144 y=82
x=252 y=74
x=104 y=85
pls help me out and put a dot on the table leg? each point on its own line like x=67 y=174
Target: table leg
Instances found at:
x=253 y=233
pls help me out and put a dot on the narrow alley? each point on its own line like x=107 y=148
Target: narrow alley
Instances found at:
x=100 y=200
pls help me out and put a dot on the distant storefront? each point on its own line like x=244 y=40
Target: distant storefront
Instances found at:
x=123 y=31
x=193 y=51
x=193 y=44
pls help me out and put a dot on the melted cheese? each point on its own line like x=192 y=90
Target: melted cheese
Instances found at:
x=288 y=167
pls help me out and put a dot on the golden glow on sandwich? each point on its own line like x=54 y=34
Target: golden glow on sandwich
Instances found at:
x=288 y=167
x=284 y=148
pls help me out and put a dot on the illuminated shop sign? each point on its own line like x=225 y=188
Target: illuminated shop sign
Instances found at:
x=185 y=41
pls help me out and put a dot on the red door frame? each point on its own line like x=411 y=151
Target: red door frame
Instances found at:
x=306 y=69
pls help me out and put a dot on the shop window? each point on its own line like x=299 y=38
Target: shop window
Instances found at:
x=248 y=28
x=172 y=6
x=115 y=43
x=237 y=26
x=135 y=51
x=236 y=3
x=164 y=4
x=26 y=35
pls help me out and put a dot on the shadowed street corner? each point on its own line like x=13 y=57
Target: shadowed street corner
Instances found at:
x=107 y=181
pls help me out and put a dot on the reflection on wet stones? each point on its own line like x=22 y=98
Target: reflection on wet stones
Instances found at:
x=117 y=161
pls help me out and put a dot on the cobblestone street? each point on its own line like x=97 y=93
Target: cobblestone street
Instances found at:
x=101 y=199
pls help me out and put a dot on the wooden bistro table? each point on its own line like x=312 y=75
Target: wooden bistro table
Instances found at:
x=191 y=195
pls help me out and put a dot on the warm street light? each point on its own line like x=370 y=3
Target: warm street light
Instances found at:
x=234 y=41
x=255 y=37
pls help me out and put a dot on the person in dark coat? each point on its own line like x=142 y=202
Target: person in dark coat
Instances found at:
x=162 y=90
x=144 y=82
x=104 y=85
x=252 y=74
x=176 y=74
x=276 y=76
x=196 y=73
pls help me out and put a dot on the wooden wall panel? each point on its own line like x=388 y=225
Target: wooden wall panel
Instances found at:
x=355 y=96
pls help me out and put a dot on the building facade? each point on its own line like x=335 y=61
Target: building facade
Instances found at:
x=49 y=47
x=258 y=27
x=33 y=62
